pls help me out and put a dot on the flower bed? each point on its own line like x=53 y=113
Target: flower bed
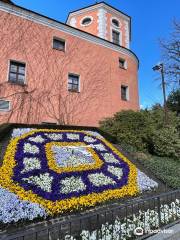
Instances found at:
x=62 y=170
x=145 y=221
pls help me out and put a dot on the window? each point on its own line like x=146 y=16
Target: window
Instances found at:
x=86 y=21
x=115 y=22
x=73 y=83
x=115 y=37
x=59 y=44
x=122 y=63
x=4 y=105
x=17 y=72
x=124 y=93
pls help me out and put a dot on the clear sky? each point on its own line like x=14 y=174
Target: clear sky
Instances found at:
x=151 y=20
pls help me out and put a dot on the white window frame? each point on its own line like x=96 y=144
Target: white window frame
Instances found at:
x=114 y=26
x=85 y=25
x=25 y=75
x=60 y=39
x=127 y=92
x=5 y=110
x=77 y=75
x=120 y=35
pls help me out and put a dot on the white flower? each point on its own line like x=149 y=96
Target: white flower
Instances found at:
x=17 y=132
x=29 y=148
x=95 y=134
x=99 y=147
x=124 y=229
x=37 y=139
x=145 y=183
x=72 y=136
x=13 y=209
x=99 y=179
x=54 y=136
x=30 y=164
x=71 y=156
x=72 y=184
x=116 y=171
x=89 y=139
x=44 y=181
x=109 y=157
x=68 y=237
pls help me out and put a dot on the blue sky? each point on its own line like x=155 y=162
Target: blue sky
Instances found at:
x=151 y=20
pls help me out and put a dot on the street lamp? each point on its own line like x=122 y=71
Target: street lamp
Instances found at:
x=160 y=67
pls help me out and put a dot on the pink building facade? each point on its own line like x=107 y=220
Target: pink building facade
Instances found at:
x=75 y=73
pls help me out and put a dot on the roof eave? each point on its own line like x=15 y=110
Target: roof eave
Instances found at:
x=96 y=5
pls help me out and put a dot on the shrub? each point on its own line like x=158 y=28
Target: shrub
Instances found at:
x=134 y=130
x=173 y=101
x=166 y=142
x=128 y=127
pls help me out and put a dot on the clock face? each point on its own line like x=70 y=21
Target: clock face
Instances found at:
x=54 y=167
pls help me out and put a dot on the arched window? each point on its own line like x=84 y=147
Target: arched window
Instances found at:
x=115 y=22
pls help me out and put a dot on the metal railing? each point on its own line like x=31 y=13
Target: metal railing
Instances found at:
x=114 y=221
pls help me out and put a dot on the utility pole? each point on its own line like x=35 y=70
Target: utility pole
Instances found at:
x=160 y=67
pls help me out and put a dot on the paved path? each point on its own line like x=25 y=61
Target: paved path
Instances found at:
x=172 y=233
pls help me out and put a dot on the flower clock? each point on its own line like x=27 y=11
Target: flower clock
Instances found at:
x=62 y=170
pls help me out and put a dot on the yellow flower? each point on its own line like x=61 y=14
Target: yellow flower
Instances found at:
x=6 y=181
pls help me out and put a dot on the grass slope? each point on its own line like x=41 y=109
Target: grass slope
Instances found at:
x=164 y=168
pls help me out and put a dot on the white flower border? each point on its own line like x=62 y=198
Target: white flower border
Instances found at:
x=145 y=220
x=145 y=183
x=12 y=209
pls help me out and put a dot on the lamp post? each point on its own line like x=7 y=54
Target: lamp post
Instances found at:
x=160 y=67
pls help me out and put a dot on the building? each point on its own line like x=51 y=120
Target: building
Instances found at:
x=76 y=73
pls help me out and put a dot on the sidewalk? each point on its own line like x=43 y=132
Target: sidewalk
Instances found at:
x=172 y=233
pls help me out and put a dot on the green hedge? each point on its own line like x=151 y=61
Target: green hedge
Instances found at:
x=166 y=142
x=145 y=131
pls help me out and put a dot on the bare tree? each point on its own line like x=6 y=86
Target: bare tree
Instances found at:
x=171 y=55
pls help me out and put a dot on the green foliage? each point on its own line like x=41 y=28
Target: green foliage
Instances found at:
x=137 y=130
x=173 y=101
x=166 y=142
x=128 y=127
x=166 y=169
x=146 y=131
